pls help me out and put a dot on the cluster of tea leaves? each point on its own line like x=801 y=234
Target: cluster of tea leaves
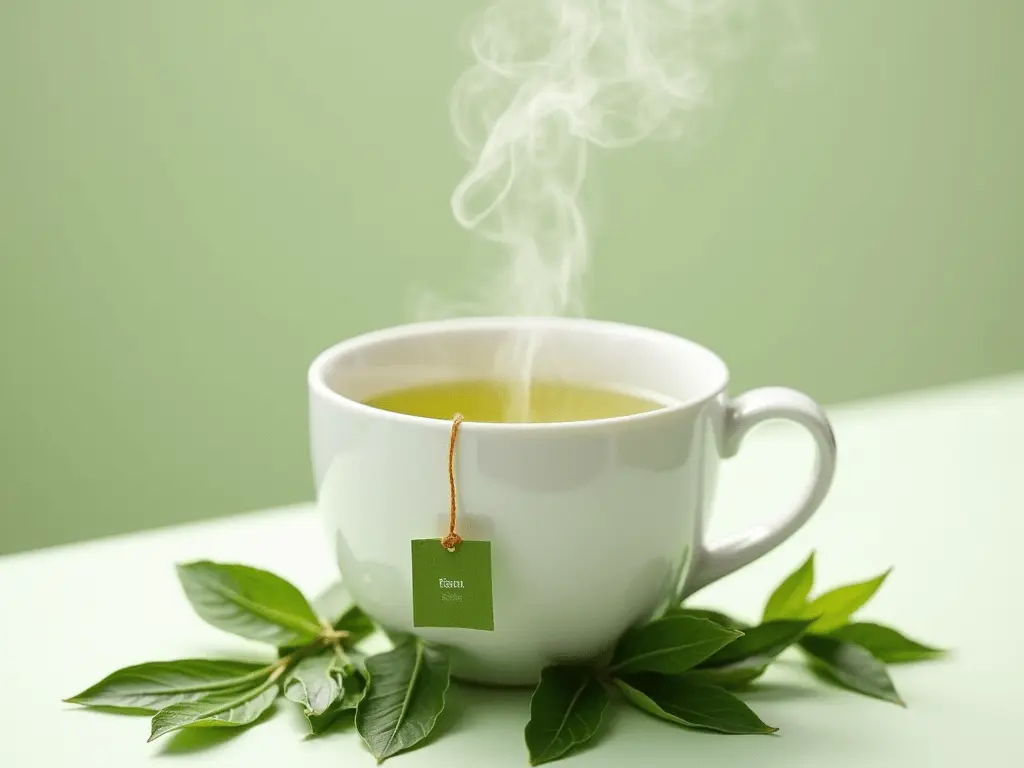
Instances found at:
x=393 y=698
x=687 y=666
x=683 y=667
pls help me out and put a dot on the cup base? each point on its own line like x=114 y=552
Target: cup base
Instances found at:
x=473 y=670
x=507 y=684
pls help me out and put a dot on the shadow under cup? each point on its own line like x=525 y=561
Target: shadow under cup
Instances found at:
x=591 y=523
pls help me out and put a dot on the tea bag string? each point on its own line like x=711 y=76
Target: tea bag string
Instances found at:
x=452 y=540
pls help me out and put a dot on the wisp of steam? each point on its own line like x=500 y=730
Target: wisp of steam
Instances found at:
x=550 y=80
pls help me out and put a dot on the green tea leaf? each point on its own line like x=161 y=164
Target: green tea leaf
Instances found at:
x=745 y=659
x=671 y=644
x=404 y=697
x=765 y=641
x=732 y=677
x=834 y=608
x=789 y=600
x=249 y=602
x=683 y=702
x=229 y=708
x=313 y=682
x=565 y=712
x=886 y=644
x=358 y=625
x=149 y=687
x=352 y=689
x=851 y=666
x=718 y=617
x=399 y=637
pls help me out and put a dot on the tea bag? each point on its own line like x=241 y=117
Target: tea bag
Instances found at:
x=451 y=577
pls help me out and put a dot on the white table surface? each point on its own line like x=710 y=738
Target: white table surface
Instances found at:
x=928 y=482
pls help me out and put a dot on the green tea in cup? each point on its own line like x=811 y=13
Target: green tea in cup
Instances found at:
x=498 y=401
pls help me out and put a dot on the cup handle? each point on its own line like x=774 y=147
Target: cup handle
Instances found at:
x=741 y=415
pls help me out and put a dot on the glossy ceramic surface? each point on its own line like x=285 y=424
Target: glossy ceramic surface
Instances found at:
x=594 y=525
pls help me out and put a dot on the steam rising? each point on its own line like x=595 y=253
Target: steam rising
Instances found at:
x=551 y=78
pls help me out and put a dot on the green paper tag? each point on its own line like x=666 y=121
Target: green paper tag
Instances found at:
x=452 y=589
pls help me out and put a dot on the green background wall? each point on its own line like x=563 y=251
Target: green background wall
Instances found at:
x=196 y=197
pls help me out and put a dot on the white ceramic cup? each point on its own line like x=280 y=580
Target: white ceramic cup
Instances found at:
x=594 y=525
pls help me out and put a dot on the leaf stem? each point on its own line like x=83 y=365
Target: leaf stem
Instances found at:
x=332 y=635
x=340 y=654
x=278 y=671
x=309 y=649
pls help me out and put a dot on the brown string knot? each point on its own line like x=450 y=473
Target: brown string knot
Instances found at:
x=452 y=540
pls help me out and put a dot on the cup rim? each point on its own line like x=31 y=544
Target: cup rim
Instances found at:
x=319 y=388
